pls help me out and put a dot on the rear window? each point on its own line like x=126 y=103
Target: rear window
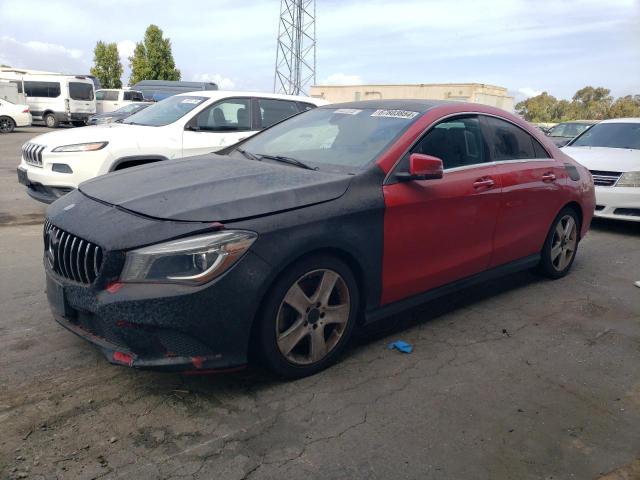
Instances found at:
x=81 y=91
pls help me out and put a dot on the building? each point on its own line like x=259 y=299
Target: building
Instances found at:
x=464 y=92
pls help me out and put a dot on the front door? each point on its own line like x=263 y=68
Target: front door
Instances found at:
x=220 y=125
x=440 y=231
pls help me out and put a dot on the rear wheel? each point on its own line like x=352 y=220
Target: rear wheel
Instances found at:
x=309 y=317
x=7 y=124
x=51 y=121
x=561 y=245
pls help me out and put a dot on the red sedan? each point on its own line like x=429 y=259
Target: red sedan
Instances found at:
x=282 y=245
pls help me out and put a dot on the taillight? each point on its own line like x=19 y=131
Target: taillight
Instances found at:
x=26 y=110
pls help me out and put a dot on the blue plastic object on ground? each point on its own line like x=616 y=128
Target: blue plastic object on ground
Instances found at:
x=401 y=346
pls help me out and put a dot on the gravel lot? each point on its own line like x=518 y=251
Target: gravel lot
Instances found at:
x=521 y=378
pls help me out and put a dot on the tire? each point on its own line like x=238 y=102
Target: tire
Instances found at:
x=51 y=121
x=7 y=125
x=561 y=245
x=317 y=342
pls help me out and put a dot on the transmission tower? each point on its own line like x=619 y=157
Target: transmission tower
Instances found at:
x=296 y=52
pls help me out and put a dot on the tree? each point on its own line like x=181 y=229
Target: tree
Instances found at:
x=628 y=106
x=152 y=58
x=593 y=103
x=541 y=108
x=107 y=67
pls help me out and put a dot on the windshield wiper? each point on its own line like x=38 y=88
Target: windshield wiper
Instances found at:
x=248 y=154
x=289 y=160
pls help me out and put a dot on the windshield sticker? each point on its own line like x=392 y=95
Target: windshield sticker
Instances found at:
x=395 y=114
x=191 y=101
x=348 y=111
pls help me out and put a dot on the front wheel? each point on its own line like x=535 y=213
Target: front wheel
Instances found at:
x=7 y=124
x=308 y=317
x=561 y=245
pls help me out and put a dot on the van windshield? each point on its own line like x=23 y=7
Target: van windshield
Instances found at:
x=81 y=91
x=165 y=112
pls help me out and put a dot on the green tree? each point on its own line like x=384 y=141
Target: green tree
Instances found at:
x=541 y=108
x=152 y=58
x=107 y=67
x=628 y=106
x=592 y=103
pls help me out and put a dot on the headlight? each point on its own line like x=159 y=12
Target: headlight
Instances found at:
x=193 y=260
x=629 y=179
x=81 y=147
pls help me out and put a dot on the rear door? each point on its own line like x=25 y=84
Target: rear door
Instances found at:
x=81 y=97
x=440 y=231
x=531 y=190
x=222 y=124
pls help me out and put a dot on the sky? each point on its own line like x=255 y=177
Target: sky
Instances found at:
x=527 y=46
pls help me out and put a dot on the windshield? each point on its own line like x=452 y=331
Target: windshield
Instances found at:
x=132 y=107
x=81 y=91
x=343 y=137
x=611 y=135
x=569 y=130
x=165 y=112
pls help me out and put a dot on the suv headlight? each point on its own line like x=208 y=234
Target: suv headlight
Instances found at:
x=81 y=147
x=194 y=260
x=629 y=179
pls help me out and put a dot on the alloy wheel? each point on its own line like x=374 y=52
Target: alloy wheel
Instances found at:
x=312 y=317
x=563 y=244
x=6 y=125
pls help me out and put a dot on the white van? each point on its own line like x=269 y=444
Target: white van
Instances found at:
x=54 y=98
x=111 y=99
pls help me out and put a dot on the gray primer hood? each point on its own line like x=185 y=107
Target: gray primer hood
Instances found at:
x=214 y=188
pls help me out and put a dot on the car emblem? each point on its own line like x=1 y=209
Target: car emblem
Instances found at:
x=52 y=249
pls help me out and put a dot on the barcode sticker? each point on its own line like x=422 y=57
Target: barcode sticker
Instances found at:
x=395 y=114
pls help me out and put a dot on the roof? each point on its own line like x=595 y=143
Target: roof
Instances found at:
x=219 y=94
x=621 y=120
x=363 y=85
x=412 y=105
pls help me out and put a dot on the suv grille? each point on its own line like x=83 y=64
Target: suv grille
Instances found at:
x=32 y=153
x=70 y=256
x=605 y=179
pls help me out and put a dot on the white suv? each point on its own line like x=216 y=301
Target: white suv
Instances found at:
x=184 y=125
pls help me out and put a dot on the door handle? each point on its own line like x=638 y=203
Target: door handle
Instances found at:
x=484 y=182
x=549 y=177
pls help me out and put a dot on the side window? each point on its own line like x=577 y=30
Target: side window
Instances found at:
x=128 y=96
x=458 y=142
x=539 y=149
x=42 y=89
x=99 y=94
x=110 y=95
x=509 y=142
x=137 y=96
x=231 y=115
x=304 y=106
x=273 y=111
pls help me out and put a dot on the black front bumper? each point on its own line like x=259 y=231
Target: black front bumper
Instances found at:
x=165 y=327
x=40 y=192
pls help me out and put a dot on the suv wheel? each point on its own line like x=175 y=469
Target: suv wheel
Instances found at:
x=50 y=120
x=7 y=124
x=561 y=245
x=309 y=317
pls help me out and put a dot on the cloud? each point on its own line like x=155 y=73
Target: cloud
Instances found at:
x=223 y=83
x=528 y=92
x=42 y=56
x=342 y=79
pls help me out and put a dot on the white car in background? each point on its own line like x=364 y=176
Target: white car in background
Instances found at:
x=13 y=115
x=183 y=125
x=111 y=99
x=611 y=151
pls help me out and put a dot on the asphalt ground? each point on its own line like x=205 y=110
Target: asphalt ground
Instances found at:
x=521 y=378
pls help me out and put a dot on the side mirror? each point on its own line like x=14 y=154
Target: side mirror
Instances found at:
x=422 y=167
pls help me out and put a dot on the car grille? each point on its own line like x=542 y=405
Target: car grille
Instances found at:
x=32 y=154
x=605 y=179
x=70 y=256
